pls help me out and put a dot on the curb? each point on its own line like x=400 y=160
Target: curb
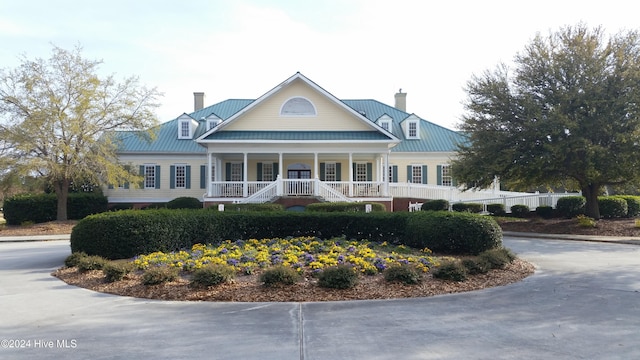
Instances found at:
x=33 y=238
x=588 y=238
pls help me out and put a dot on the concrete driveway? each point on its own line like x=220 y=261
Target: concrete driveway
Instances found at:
x=582 y=303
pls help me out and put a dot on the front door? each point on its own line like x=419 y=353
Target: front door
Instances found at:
x=299 y=174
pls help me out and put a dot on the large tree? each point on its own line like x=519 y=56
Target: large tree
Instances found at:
x=56 y=116
x=567 y=112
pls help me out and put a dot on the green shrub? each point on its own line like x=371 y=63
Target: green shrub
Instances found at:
x=467 y=207
x=435 y=205
x=452 y=233
x=159 y=275
x=279 y=275
x=344 y=207
x=612 y=207
x=497 y=258
x=184 y=202
x=402 y=273
x=90 y=262
x=476 y=265
x=520 y=211
x=585 y=221
x=545 y=212
x=73 y=259
x=44 y=207
x=451 y=270
x=116 y=270
x=633 y=205
x=250 y=207
x=571 y=206
x=338 y=277
x=121 y=206
x=496 y=209
x=213 y=274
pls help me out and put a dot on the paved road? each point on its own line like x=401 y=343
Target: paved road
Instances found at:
x=583 y=303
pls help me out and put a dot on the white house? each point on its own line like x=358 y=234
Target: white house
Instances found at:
x=295 y=144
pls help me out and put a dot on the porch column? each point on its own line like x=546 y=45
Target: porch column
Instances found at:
x=245 y=175
x=386 y=175
x=208 y=175
x=350 y=174
x=316 y=172
x=280 y=188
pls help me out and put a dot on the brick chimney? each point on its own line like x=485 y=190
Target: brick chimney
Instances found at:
x=198 y=101
x=401 y=101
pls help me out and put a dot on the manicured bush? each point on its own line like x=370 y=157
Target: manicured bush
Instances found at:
x=212 y=274
x=127 y=233
x=476 y=265
x=452 y=233
x=73 y=259
x=184 y=202
x=496 y=209
x=250 y=207
x=44 y=207
x=585 y=221
x=402 y=273
x=467 y=207
x=545 y=212
x=116 y=270
x=159 y=275
x=451 y=270
x=612 y=207
x=88 y=263
x=633 y=205
x=571 y=206
x=338 y=277
x=344 y=207
x=279 y=275
x=520 y=211
x=435 y=205
x=497 y=258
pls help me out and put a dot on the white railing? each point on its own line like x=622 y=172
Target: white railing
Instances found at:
x=532 y=201
x=298 y=187
x=329 y=193
x=263 y=195
x=367 y=189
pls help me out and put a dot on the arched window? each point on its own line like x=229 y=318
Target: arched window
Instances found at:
x=298 y=106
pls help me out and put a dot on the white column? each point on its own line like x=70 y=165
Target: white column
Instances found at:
x=316 y=172
x=208 y=175
x=386 y=174
x=245 y=171
x=280 y=188
x=350 y=174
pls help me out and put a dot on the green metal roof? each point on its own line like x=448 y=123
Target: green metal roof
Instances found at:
x=297 y=135
x=433 y=138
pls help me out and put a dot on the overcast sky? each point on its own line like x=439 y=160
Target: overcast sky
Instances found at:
x=355 y=49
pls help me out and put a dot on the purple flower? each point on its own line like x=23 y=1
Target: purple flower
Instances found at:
x=224 y=251
x=340 y=259
x=232 y=262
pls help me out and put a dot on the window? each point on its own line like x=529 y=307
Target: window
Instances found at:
x=445 y=175
x=213 y=123
x=412 y=130
x=330 y=173
x=386 y=124
x=416 y=174
x=181 y=176
x=149 y=176
x=393 y=173
x=236 y=172
x=213 y=172
x=185 y=129
x=361 y=172
x=298 y=106
x=267 y=172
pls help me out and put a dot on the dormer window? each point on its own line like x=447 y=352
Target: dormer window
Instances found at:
x=184 y=129
x=298 y=106
x=411 y=127
x=211 y=123
x=385 y=122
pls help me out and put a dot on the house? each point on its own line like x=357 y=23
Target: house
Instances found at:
x=296 y=144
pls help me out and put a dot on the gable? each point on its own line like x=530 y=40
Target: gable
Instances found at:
x=298 y=107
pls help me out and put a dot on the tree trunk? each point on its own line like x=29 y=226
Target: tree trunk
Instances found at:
x=62 y=193
x=591 y=192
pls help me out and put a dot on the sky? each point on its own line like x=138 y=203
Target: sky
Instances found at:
x=354 y=49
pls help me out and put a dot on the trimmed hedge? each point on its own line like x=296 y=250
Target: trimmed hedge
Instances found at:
x=633 y=204
x=184 y=202
x=571 y=206
x=435 y=205
x=44 y=207
x=467 y=207
x=544 y=211
x=496 y=209
x=520 y=211
x=127 y=233
x=612 y=207
x=344 y=207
